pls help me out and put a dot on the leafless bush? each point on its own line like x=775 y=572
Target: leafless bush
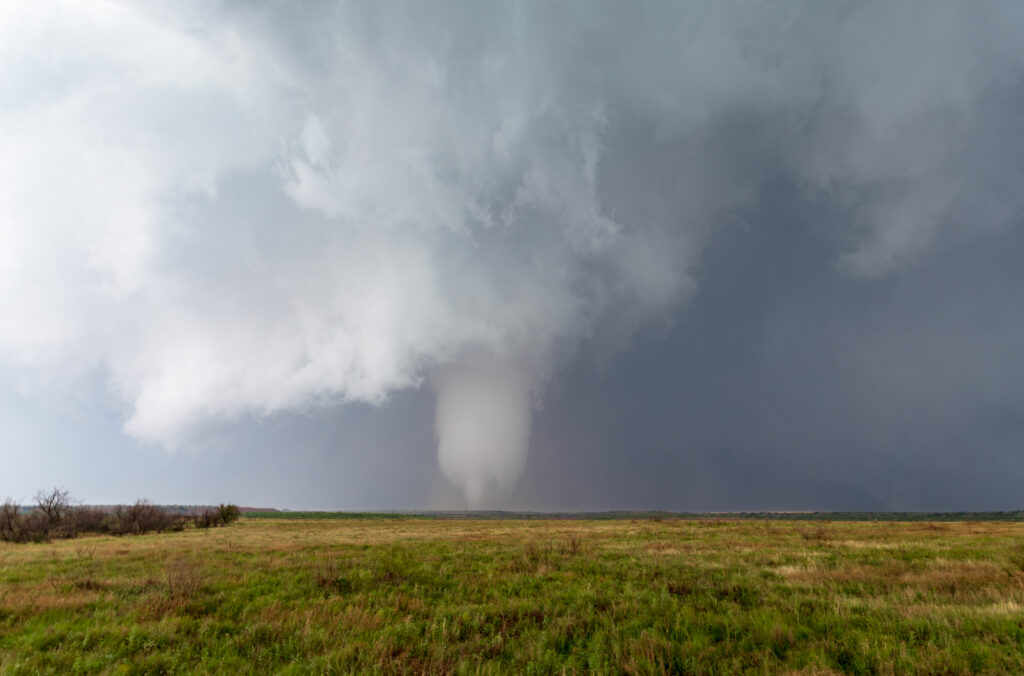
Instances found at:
x=53 y=516
x=138 y=519
x=10 y=522
x=179 y=522
x=35 y=527
x=86 y=520
x=48 y=519
x=208 y=518
x=146 y=517
x=52 y=508
x=221 y=515
x=117 y=521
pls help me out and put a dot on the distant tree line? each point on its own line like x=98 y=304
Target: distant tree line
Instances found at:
x=54 y=517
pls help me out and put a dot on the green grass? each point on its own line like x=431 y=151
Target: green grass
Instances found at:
x=535 y=596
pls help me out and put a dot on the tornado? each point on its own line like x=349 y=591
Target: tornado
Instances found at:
x=484 y=409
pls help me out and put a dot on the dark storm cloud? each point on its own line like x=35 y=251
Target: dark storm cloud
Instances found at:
x=775 y=230
x=786 y=385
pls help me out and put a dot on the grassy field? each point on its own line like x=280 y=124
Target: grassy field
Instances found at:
x=620 y=515
x=506 y=596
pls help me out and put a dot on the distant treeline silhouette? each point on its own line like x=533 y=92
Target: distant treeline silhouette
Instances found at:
x=54 y=517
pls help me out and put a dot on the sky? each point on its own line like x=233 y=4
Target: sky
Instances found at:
x=592 y=255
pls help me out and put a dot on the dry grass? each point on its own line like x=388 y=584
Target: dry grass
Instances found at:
x=184 y=579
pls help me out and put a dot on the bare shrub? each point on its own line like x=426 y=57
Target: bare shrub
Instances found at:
x=85 y=520
x=178 y=522
x=54 y=504
x=10 y=522
x=117 y=520
x=138 y=519
x=148 y=517
x=18 y=526
x=208 y=518
x=53 y=516
x=221 y=515
x=35 y=527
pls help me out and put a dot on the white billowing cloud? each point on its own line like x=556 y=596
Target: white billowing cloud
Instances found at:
x=234 y=210
x=106 y=118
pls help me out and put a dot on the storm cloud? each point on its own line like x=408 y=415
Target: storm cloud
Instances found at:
x=720 y=235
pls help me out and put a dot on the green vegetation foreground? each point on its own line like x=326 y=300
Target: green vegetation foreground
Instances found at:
x=421 y=595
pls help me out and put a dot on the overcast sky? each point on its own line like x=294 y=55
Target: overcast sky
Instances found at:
x=574 y=255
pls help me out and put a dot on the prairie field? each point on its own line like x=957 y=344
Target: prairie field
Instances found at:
x=415 y=595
